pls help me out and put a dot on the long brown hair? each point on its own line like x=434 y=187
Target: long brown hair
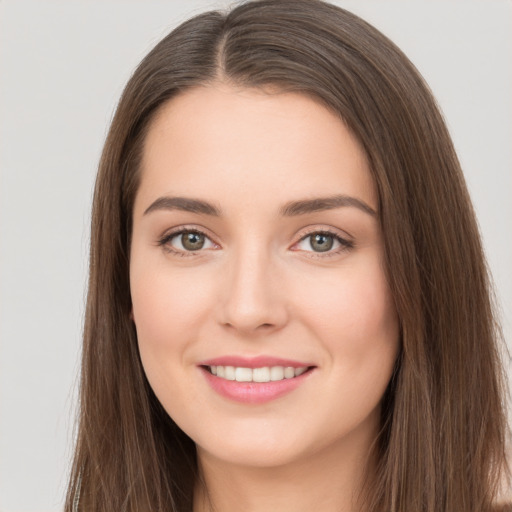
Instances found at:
x=442 y=443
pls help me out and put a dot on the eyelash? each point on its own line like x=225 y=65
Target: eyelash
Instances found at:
x=345 y=245
x=165 y=241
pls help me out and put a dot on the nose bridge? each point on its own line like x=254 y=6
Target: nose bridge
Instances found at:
x=251 y=299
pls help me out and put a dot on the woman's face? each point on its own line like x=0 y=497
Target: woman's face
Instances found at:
x=257 y=256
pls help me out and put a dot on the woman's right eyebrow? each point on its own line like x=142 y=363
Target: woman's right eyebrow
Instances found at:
x=185 y=204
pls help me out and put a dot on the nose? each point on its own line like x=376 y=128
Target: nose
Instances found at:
x=252 y=299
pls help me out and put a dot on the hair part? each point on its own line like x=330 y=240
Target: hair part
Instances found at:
x=442 y=443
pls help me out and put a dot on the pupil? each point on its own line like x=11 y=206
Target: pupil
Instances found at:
x=192 y=241
x=322 y=243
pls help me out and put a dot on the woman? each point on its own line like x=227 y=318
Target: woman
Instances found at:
x=288 y=301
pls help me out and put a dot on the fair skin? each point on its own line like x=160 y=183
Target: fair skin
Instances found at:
x=260 y=272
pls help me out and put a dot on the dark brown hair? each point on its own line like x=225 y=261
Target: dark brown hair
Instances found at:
x=442 y=443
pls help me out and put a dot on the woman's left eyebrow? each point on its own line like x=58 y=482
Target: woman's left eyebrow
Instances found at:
x=319 y=204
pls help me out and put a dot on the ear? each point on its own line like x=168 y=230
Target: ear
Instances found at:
x=132 y=317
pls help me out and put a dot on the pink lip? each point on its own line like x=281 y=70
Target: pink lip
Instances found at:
x=253 y=392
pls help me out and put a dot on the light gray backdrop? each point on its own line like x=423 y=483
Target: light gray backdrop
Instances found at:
x=63 y=65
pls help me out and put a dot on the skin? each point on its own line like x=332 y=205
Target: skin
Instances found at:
x=258 y=287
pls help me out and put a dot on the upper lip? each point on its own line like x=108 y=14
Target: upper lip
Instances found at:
x=253 y=362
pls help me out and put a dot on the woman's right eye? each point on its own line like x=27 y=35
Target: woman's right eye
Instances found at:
x=187 y=241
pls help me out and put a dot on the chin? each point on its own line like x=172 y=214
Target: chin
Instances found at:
x=258 y=455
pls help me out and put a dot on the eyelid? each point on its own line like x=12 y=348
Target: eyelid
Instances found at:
x=168 y=235
x=346 y=242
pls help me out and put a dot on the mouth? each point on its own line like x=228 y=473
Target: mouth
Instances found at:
x=259 y=374
x=255 y=380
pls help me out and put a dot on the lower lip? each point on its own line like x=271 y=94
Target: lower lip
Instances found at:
x=253 y=392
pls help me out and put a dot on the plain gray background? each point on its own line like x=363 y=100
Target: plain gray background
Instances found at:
x=63 y=65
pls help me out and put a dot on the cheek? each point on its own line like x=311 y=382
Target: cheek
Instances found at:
x=169 y=307
x=167 y=304
x=359 y=328
x=168 y=310
x=354 y=315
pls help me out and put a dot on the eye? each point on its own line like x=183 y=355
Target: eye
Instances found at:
x=323 y=242
x=187 y=241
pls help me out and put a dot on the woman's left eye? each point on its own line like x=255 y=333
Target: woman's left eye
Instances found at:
x=322 y=242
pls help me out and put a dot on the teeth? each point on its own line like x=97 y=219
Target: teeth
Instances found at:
x=289 y=372
x=243 y=374
x=263 y=374
x=229 y=373
x=276 y=373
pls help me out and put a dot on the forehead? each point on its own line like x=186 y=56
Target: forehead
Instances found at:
x=233 y=142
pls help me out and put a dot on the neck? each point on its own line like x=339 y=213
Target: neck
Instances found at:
x=330 y=480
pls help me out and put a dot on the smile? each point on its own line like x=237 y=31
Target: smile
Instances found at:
x=262 y=374
x=255 y=380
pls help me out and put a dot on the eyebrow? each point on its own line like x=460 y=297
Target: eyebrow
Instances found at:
x=319 y=204
x=290 y=209
x=185 y=204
